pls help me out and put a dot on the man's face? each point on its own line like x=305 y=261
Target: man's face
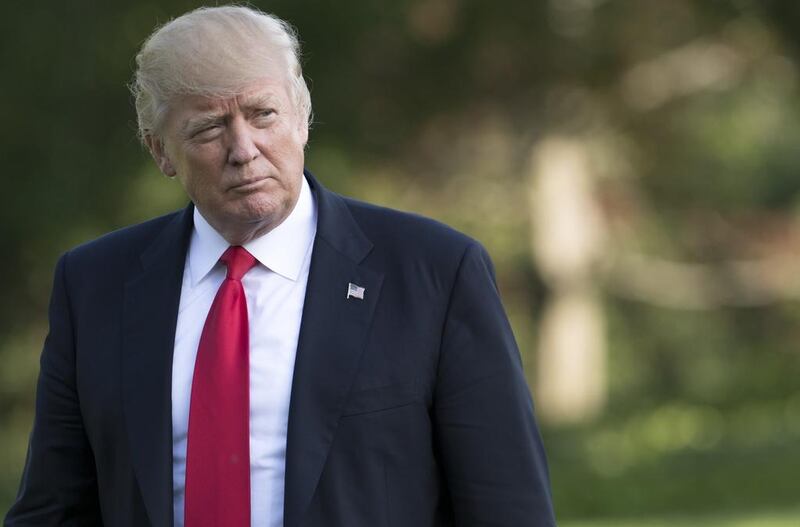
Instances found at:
x=240 y=160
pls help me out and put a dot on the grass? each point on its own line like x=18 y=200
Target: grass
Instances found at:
x=768 y=519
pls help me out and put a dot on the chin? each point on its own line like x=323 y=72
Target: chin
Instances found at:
x=262 y=210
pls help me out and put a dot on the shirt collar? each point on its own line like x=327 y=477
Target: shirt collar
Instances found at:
x=282 y=250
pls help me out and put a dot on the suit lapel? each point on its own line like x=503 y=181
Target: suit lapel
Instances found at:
x=331 y=341
x=152 y=296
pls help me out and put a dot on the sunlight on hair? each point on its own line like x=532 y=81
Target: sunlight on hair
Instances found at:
x=215 y=52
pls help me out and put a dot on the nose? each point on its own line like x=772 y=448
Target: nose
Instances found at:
x=242 y=147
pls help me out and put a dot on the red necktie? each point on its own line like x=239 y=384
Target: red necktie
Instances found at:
x=218 y=450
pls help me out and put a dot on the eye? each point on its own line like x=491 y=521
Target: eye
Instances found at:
x=263 y=114
x=205 y=132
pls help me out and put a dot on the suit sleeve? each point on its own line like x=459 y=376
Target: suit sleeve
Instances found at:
x=487 y=438
x=58 y=484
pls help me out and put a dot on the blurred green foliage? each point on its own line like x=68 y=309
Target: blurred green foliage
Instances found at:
x=787 y=519
x=434 y=106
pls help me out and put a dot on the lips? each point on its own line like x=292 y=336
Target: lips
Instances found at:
x=245 y=186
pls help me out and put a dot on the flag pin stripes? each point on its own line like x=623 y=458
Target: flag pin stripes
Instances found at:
x=355 y=291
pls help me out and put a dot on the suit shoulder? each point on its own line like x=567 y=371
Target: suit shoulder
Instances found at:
x=408 y=230
x=122 y=242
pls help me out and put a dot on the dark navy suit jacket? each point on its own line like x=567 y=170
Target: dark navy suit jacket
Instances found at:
x=408 y=409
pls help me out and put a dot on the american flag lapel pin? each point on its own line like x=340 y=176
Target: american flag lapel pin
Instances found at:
x=355 y=291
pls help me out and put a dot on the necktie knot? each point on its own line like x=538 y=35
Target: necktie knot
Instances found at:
x=238 y=261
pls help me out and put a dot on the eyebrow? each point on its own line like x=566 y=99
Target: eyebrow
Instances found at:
x=258 y=101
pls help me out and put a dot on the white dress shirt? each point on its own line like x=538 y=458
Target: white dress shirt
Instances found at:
x=275 y=290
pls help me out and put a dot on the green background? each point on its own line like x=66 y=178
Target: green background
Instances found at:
x=690 y=112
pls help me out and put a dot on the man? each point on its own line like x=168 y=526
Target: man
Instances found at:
x=274 y=354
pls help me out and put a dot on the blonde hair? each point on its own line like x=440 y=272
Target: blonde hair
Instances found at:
x=214 y=52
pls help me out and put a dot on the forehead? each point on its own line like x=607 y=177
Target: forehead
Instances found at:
x=264 y=92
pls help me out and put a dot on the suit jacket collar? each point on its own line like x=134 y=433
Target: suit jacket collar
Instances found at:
x=335 y=224
x=332 y=337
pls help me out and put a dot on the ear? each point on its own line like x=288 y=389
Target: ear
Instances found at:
x=159 y=153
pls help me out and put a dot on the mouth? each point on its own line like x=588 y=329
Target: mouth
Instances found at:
x=248 y=186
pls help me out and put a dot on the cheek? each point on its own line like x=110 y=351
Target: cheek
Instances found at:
x=302 y=136
x=284 y=146
x=199 y=181
x=204 y=168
